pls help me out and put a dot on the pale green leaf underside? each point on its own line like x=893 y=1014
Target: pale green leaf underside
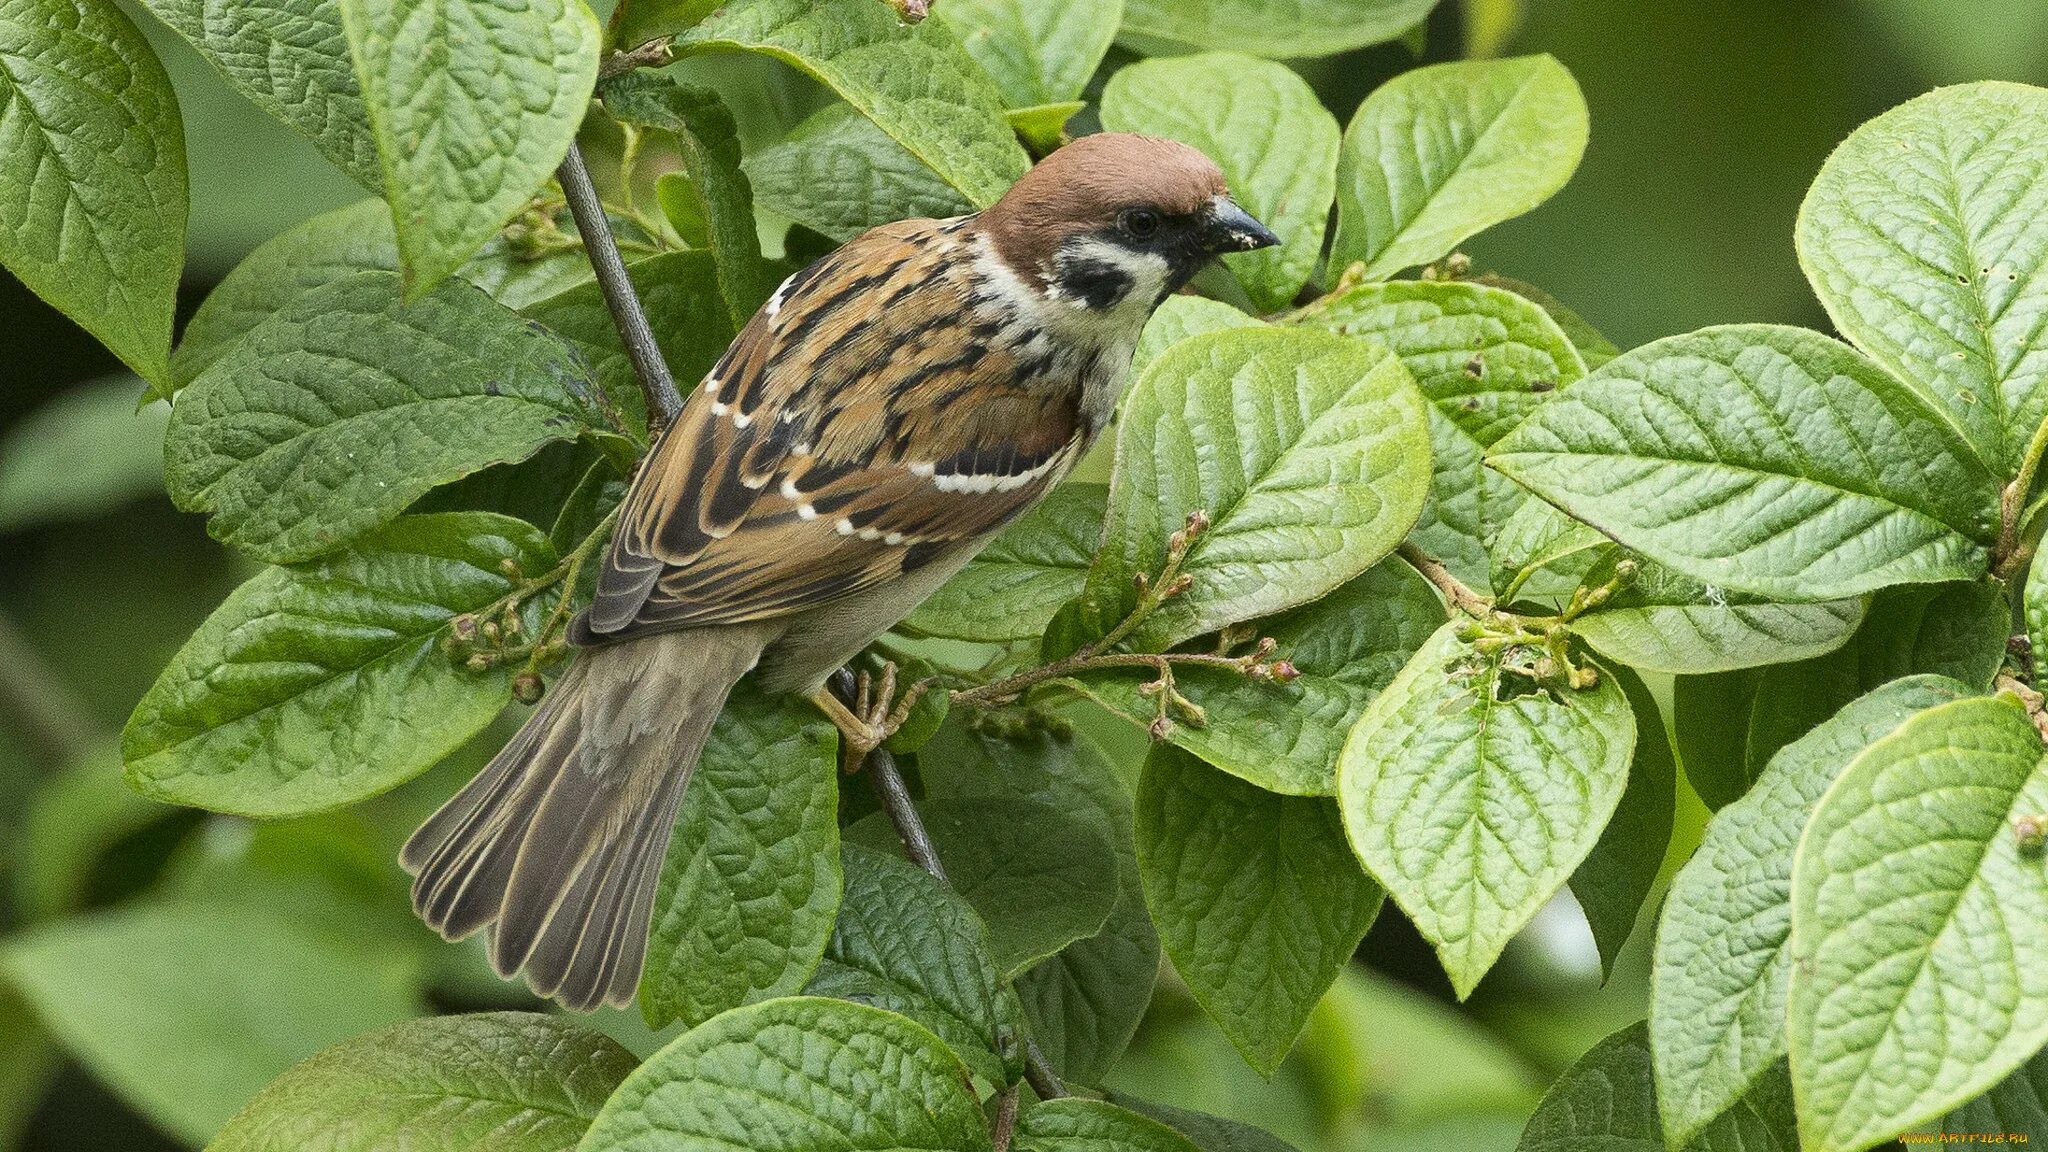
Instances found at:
x=92 y=191
x=1472 y=810
x=472 y=104
x=290 y=58
x=1308 y=451
x=337 y=412
x=795 y=1075
x=1926 y=236
x=324 y=683
x=1257 y=898
x=1762 y=459
x=1543 y=552
x=1717 y=1017
x=838 y=174
x=1011 y=588
x=1911 y=996
x=1485 y=358
x=1440 y=153
x=503 y=1081
x=1038 y=51
x=1280 y=28
x=1285 y=737
x=914 y=81
x=751 y=882
x=1664 y=622
x=1264 y=126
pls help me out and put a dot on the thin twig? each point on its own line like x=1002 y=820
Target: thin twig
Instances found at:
x=1460 y=596
x=1006 y=1120
x=659 y=387
x=1039 y=1074
x=36 y=699
x=653 y=54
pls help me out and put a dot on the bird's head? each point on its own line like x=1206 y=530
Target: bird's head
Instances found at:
x=1116 y=220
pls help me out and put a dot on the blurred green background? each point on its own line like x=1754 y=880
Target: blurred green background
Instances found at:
x=1709 y=120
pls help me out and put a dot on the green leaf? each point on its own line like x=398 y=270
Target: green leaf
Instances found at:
x=1037 y=51
x=793 y=1075
x=28 y=1063
x=72 y=819
x=2034 y=614
x=1605 y=1102
x=1614 y=880
x=1179 y=317
x=1209 y=1133
x=1485 y=358
x=1264 y=127
x=2018 y=1103
x=1926 y=236
x=914 y=81
x=472 y=104
x=751 y=882
x=1539 y=551
x=326 y=248
x=709 y=144
x=507 y=1081
x=1722 y=968
x=1762 y=459
x=1941 y=958
x=1010 y=590
x=905 y=942
x=82 y=454
x=1285 y=737
x=838 y=174
x=320 y=684
x=1954 y=630
x=1077 y=1125
x=92 y=196
x=332 y=416
x=679 y=292
x=1593 y=346
x=1661 y=621
x=1041 y=877
x=1256 y=897
x=1438 y=154
x=1710 y=729
x=185 y=1010
x=290 y=58
x=1085 y=1002
x=1280 y=28
x=1308 y=452
x=1473 y=805
x=1043 y=127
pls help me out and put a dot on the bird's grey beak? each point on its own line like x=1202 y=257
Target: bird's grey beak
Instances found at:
x=1229 y=228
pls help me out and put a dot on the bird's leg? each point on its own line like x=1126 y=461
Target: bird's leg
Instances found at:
x=875 y=715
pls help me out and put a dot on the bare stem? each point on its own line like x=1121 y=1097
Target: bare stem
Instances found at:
x=35 y=698
x=653 y=54
x=1455 y=590
x=659 y=387
x=1006 y=1120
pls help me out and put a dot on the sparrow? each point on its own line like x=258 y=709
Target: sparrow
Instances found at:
x=886 y=412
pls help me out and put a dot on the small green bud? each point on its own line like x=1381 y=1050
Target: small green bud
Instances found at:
x=527 y=688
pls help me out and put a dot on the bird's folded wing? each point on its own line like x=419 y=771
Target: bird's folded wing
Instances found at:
x=861 y=425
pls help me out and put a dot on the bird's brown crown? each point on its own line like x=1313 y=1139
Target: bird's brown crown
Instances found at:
x=1083 y=186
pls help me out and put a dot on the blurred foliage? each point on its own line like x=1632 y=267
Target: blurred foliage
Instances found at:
x=1709 y=121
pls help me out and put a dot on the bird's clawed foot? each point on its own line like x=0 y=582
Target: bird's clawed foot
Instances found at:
x=875 y=715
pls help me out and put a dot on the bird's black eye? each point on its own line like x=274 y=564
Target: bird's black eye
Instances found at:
x=1138 y=223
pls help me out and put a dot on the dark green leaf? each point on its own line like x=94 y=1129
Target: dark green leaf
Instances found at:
x=321 y=684
x=1256 y=897
x=1762 y=459
x=839 y=174
x=914 y=81
x=823 y=1073
x=72 y=819
x=1077 y=1125
x=1209 y=1133
x=92 y=194
x=82 y=454
x=337 y=412
x=1317 y=465
x=504 y=1081
x=1605 y=1102
x=1710 y=727
x=1010 y=590
x=472 y=105
x=1282 y=28
x=290 y=58
x=2018 y=1103
x=1038 y=51
x=905 y=942
x=1616 y=877
x=751 y=882
x=1285 y=737
x=185 y=1010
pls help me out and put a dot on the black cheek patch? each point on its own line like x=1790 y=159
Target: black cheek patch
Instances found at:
x=1096 y=283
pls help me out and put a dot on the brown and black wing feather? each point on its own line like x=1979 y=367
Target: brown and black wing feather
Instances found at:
x=867 y=421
